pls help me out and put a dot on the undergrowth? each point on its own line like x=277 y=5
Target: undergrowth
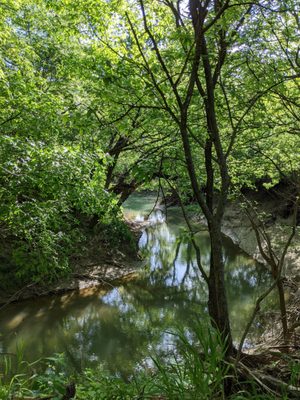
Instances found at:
x=194 y=372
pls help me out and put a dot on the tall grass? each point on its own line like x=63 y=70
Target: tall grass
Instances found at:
x=196 y=371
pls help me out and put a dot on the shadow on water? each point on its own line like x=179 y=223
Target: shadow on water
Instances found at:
x=122 y=327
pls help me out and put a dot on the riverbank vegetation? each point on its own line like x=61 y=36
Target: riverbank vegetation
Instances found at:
x=190 y=373
x=100 y=98
x=50 y=205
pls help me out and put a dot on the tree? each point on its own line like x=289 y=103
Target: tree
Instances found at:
x=183 y=61
x=52 y=178
x=193 y=80
x=163 y=89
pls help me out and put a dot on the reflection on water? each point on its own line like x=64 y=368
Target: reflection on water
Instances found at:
x=123 y=326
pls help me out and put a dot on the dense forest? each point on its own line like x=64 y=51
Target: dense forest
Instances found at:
x=196 y=100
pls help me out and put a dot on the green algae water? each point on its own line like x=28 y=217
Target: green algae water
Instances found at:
x=123 y=327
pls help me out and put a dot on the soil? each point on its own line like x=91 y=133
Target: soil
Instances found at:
x=99 y=265
x=237 y=227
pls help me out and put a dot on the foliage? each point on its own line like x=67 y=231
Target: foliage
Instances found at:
x=45 y=192
x=74 y=79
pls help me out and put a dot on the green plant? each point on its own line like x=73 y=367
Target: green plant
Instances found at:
x=48 y=193
x=196 y=371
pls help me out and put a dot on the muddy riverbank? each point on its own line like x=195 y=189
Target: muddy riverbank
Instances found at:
x=237 y=226
x=97 y=266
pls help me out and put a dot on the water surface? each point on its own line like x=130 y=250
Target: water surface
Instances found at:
x=122 y=327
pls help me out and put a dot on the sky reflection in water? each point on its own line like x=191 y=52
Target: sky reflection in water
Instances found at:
x=124 y=326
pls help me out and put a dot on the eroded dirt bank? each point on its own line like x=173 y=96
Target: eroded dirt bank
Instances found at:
x=98 y=266
x=237 y=226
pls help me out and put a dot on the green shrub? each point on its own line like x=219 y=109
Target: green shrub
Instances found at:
x=44 y=191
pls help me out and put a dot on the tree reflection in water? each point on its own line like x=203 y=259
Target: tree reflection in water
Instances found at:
x=122 y=327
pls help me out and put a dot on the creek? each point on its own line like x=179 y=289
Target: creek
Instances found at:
x=123 y=327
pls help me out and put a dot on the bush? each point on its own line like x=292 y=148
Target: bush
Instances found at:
x=43 y=191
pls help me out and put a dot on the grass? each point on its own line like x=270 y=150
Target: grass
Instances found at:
x=193 y=373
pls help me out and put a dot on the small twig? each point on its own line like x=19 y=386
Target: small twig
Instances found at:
x=164 y=198
x=250 y=322
x=270 y=260
x=155 y=204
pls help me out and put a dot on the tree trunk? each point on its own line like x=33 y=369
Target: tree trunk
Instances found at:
x=217 y=300
x=282 y=306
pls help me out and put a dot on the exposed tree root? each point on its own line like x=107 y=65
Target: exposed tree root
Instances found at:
x=271 y=371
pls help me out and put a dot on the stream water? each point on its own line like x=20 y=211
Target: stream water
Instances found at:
x=122 y=327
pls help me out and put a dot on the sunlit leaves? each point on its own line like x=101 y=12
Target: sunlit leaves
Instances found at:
x=41 y=187
x=78 y=77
